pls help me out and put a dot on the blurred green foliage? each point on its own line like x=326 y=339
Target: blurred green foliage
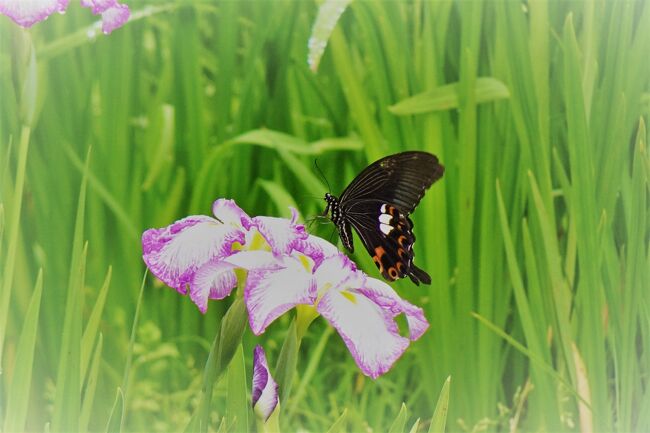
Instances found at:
x=537 y=237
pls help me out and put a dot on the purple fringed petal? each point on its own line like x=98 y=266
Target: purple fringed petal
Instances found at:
x=228 y=212
x=26 y=13
x=337 y=272
x=280 y=233
x=174 y=253
x=214 y=280
x=98 y=6
x=114 y=14
x=385 y=297
x=265 y=389
x=369 y=332
x=318 y=249
x=254 y=260
x=269 y=293
x=115 y=17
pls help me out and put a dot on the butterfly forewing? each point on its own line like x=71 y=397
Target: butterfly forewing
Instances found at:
x=377 y=204
x=399 y=179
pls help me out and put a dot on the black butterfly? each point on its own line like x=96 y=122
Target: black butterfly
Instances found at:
x=377 y=204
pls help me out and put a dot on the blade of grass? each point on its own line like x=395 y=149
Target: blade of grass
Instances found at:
x=13 y=225
x=439 y=419
x=19 y=389
x=67 y=402
x=91 y=386
x=237 y=403
x=399 y=423
x=487 y=89
x=90 y=333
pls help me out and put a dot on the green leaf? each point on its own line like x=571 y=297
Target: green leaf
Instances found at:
x=280 y=197
x=281 y=141
x=114 y=423
x=285 y=367
x=399 y=424
x=328 y=15
x=90 y=333
x=225 y=343
x=237 y=403
x=439 y=419
x=91 y=385
x=487 y=89
x=67 y=401
x=13 y=227
x=18 y=391
x=415 y=426
x=339 y=424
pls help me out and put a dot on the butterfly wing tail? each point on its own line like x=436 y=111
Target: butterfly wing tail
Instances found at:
x=417 y=275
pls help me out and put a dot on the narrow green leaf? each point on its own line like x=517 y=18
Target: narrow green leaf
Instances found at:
x=399 y=424
x=115 y=419
x=67 y=401
x=225 y=343
x=339 y=424
x=439 y=419
x=91 y=385
x=28 y=100
x=104 y=193
x=13 y=227
x=163 y=153
x=124 y=390
x=415 y=426
x=281 y=141
x=237 y=403
x=280 y=197
x=90 y=333
x=18 y=390
x=533 y=356
x=329 y=13
x=285 y=367
x=487 y=89
x=88 y=34
x=303 y=173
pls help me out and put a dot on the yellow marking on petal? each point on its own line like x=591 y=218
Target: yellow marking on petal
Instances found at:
x=259 y=243
x=236 y=246
x=305 y=261
x=350 y=297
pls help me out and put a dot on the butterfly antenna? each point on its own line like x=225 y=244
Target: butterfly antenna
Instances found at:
x=329 y=188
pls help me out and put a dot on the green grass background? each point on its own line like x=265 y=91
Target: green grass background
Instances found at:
x=537 y=237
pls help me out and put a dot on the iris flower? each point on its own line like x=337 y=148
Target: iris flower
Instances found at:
x=28 y=12
x=285 y=268
x=265 y=389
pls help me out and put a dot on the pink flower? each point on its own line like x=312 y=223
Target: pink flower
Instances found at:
x=265 y=389
x=286 y=267
x=28 y=12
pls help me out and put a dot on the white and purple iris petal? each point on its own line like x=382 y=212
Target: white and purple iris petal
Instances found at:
x=265 y=389
x=175 y=253
x=280 y=233
x=273 y=287
x=114 y=14
x=213 y=280
x=28 y=12
x=363 y=312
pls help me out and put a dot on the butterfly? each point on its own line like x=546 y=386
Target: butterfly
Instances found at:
x=377 y=204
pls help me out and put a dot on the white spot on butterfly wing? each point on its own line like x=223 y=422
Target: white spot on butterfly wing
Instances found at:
x=382 y=209
x=385 y=228
x=385 y=218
